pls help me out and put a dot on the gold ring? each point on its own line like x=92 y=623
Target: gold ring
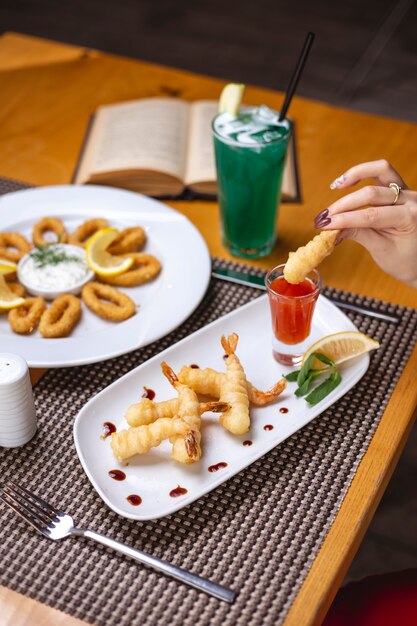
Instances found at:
x=396 y=189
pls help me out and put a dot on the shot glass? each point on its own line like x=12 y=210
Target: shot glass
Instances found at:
x=292 y=309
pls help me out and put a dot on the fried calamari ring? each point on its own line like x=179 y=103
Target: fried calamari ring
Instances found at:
x=13 y=246
x=86 y=230
x=128 y=240
x=61 y=317
x=118 y=307
x=145 y=267
x=49 y=224
x=24 y=318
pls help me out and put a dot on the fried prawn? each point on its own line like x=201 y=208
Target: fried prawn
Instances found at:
x=128 y=240
x=233 y=390
x=145 y=267
x=25 y=318
x=61 y=317
x=49 y=224
x=13 y=246
x=146 y=411
x=208 y=381
x=301 y=262
x=108 y=302
x=85 y=230
x=141 y=439
x=185 y=448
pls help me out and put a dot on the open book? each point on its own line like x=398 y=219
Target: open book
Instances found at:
x=159 y=147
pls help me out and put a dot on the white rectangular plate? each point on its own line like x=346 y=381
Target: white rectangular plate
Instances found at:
x=154 y=475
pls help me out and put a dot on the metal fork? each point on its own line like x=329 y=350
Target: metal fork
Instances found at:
x=55 y=524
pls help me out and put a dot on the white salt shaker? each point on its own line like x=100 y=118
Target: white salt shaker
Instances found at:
x=17 y=408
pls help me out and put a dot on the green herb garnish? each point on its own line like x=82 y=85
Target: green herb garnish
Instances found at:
x=324 y=389
x=51 y=255
x=306 y=376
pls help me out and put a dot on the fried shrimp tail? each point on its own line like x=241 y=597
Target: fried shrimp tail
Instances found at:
x=140 y=439
x=233 y=390
x=185 y=448
x=207 y=382
x=260 y=398
x=301 y=262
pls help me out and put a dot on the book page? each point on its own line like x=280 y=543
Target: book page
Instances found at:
x=200 y=163
x=149 y=134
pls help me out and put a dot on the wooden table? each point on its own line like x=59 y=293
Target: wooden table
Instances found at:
x=49 y=91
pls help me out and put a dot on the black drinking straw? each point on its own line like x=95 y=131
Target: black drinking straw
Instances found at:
x=296 y=75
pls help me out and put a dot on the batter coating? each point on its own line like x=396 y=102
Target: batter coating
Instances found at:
x=108 y=302
x=13 y=246
x=61 y=317
x=85 y=230
x=25 y=318
x=301 y=262
x=145 y=267
x=51 y=224
x=128 y=240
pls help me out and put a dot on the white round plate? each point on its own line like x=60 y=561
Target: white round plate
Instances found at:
x=163 y=304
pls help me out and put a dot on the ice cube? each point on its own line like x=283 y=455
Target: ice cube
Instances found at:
x=266 y=114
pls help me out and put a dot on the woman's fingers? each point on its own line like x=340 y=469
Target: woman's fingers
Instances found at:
x=375 y=217
x=366 y=196
x=381 y=170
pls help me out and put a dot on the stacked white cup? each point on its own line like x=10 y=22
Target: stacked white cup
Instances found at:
x=17 y=408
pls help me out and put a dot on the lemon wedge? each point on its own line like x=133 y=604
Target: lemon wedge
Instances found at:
x=231 y=98
x=340 y=347
x=7 y=266
x=8 y=299
x=99 y=260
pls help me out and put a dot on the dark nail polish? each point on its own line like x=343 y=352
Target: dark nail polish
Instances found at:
x=323 y=222
x=321 y=216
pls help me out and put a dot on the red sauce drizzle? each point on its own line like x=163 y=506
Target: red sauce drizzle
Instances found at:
x=283 y=409
x=117 y=474
x=225 y=356
x=178 y=491
x=134 y=499
x=268 y=427
x=195 y=366
x=148 y=393
x=108 y=429
x=215 y=468
x=248 y=442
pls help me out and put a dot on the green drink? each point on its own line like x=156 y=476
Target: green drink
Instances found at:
x=250 y=154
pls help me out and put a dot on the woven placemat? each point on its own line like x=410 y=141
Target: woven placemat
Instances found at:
x=258 y=533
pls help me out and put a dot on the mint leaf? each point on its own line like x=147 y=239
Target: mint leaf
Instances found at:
x=323 y=390
x=305 y=387
x=304 y=371
x=292 y=376
x=324 y=359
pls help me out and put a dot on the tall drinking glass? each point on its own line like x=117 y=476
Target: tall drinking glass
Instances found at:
x=250 y=152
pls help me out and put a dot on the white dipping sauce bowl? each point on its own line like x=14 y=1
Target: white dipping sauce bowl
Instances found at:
x=49 y=293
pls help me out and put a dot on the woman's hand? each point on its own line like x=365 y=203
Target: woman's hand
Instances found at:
x=370 y=217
